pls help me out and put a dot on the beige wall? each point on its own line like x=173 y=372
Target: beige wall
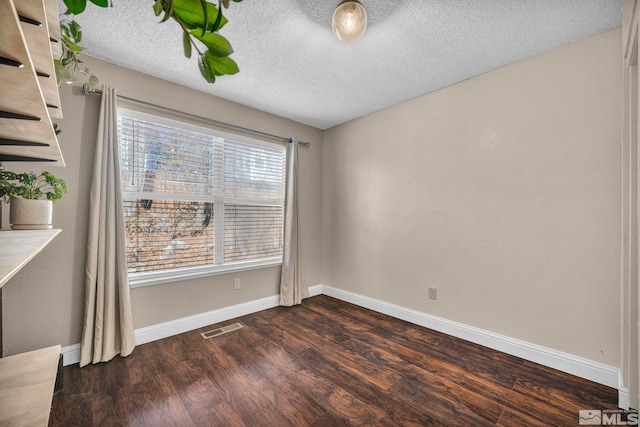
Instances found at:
x=43 y=304
x=502 y=191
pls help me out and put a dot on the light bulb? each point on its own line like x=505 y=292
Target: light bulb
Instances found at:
x=349 y=21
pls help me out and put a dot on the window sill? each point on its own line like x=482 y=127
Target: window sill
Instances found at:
x=139 y=280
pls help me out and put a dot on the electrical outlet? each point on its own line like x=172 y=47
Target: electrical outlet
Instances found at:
x=236 y=283
x=433 y=293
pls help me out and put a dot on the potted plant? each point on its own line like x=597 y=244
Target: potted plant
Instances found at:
x=25 y=191
x=69 y=63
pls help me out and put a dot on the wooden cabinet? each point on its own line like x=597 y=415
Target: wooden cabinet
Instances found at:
x=28 y=87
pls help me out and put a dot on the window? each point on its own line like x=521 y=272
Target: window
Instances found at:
x=197 y=201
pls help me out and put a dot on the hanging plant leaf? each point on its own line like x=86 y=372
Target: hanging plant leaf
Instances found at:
x=93 y=80
x=71 y=33
x=197 y=18
x=168 y=10
x=68 y=63
x=206 y=70
x=216 y=24
x=220 y=65
x=157 y=7
x=75 y=31
x=75 y=7
x=186 y=44
x=191 y=15
x=205 y=24
x=214 y=42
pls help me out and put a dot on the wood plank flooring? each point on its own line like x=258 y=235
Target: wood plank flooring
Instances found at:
x=324 y=363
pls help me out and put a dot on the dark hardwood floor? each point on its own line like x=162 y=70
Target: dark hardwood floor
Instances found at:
x=324 y=363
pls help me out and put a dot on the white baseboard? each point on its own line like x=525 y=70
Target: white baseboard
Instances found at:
x=581 y=367
x=575 y=365
x=185 y=324
x=315 y=290
x=623 y=393
x=70 y=354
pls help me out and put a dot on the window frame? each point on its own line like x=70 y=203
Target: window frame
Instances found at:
x=149 y=278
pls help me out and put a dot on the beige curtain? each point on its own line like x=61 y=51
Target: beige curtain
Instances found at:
x=293 y=288
x=108 y=320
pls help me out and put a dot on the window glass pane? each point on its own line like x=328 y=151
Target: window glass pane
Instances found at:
x=162 y=159
x=173 y=179
x=252 y=232
x=253 y=172
x=168 y=234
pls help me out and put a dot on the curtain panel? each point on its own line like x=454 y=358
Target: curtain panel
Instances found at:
x=293 y=287
x=108 y=321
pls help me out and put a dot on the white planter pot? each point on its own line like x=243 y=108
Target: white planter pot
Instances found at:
x=31 y=214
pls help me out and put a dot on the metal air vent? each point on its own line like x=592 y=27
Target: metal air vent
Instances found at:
x=221 y=331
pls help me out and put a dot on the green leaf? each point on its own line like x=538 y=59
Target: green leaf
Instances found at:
x=191 y=15
x=214 y=42
x=206 y=70
x=76 y=31
x=72 y=46
x=205 y=16
x=186 y=44
x=168 y=10
x=93 y=80
x=101 y=3
x=48 y=177
x=216 y=23
x=220 y=64
x=157 y=7
x=75 y=7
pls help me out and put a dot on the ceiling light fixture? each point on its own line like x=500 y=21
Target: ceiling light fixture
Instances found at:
x=349 y=21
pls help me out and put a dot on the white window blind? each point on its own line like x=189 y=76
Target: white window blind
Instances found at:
x=197 y=201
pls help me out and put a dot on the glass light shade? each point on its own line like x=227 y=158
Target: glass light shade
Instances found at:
x=349 y=21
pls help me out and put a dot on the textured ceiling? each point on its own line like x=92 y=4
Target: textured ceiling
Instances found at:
x=292 y=66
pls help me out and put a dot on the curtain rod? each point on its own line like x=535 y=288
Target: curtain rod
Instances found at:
x=91 y=91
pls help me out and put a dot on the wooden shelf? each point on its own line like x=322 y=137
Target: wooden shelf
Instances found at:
x=17 y=248
x=26 y=380
x=25 y=50
x=29 y=97
x=39 y=42
x=55 y=37
x=26 y=387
